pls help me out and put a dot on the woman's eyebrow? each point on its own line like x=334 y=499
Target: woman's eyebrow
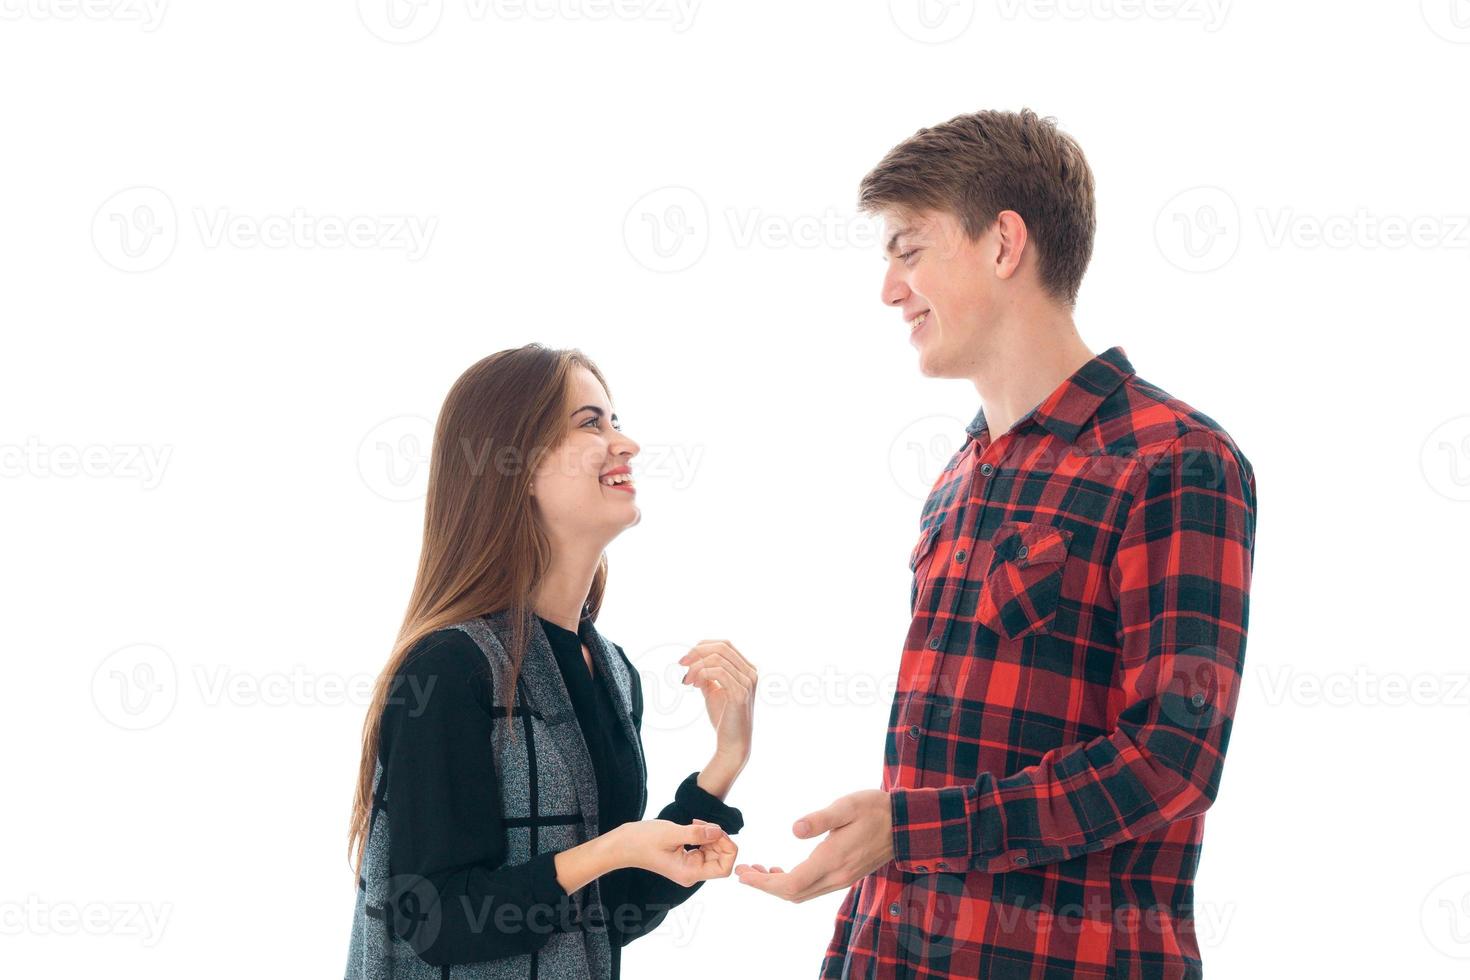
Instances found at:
x=596 y=411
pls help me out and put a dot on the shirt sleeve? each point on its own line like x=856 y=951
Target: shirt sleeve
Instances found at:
x=451 y=894
x=639 y=900
x=1181 y=581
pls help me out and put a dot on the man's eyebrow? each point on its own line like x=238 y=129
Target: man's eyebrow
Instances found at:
x=893 y=241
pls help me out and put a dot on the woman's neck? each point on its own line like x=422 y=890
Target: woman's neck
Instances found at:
x=561 y=594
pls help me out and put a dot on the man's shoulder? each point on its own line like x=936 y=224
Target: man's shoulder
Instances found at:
x=1140 y=418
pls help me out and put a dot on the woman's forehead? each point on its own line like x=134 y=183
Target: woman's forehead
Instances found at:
x=587 y=390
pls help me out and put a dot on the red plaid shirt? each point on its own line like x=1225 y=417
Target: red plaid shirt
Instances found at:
x=1081 y=585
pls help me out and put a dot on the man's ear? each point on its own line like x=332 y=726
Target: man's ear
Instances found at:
x=1011 y=234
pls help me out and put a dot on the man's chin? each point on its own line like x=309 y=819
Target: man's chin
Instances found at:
x=931 y=365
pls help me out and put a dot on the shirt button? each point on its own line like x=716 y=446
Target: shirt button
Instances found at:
x=961 y=555
x=1197 y=700
x=922 y=867
x=1021 y=551
x=933 y=643
x=913 y=731
x=893 y=910
x=1021 y=860
x=942 y=866
x=986 y=469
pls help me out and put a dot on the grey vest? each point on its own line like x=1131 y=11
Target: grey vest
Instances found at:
x=549 y=799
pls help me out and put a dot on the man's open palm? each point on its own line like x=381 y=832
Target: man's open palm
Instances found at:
x=859 y=829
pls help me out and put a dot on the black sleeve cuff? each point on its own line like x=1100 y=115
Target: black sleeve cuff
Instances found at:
x=703 y=805
x=541 y=875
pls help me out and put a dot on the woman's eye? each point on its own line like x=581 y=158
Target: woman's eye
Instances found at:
x=592 y=422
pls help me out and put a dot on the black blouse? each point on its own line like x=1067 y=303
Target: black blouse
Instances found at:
x=444 y=812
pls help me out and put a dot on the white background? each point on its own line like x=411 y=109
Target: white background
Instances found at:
x=215 y=412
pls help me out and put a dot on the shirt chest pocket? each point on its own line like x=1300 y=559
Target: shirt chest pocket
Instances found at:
x=1023 y=583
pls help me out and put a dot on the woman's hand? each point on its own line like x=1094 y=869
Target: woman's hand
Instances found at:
x=728 y=682
x=659 y=846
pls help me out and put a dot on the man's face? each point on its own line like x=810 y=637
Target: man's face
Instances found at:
x=945 y=287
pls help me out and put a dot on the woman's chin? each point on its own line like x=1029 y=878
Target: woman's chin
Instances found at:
x=628 y=516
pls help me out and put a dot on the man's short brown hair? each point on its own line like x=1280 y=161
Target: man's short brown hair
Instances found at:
x=978 y=165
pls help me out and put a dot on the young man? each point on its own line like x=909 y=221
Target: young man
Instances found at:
x=1081 y=583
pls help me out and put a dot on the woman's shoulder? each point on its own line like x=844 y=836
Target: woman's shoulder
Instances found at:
x=446 y=660
x=443 y=684
x=447 y=649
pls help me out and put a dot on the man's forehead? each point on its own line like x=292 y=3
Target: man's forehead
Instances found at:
x=898 y=225
x=904 y=222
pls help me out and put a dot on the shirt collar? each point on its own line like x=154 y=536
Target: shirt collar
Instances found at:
x=1071 y=406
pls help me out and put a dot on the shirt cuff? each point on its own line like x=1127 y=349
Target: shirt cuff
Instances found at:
x=931 y=829
x=701 y=804
x=956 y=828
x=541 y=876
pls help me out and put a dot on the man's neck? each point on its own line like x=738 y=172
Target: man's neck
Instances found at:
x=1027 y=367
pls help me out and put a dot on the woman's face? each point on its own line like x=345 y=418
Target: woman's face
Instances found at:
x=583 y=486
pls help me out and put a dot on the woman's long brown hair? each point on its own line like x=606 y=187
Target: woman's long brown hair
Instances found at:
x=484 y=546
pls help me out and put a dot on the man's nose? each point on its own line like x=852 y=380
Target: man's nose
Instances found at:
x=895 y=290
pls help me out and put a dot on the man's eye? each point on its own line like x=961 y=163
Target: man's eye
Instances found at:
x=905 y=255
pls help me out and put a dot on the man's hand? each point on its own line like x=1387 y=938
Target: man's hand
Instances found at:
x=859 y=829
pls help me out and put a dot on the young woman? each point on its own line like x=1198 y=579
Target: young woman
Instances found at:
x=498 y=826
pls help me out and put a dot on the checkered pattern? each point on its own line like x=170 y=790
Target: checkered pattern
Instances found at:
x=1066 y=694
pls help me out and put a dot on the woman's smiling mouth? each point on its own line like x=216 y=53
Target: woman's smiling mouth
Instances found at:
x=619 y=479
